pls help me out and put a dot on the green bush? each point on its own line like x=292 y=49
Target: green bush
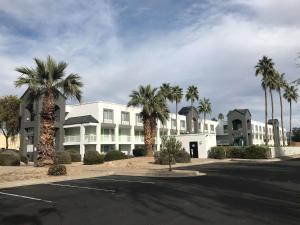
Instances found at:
x=217 y=152
x=75 y=155
x=235 y=152
x=162 y=158
x=139 y=152
x=62 y=157
x=182 y=157
x=57 y=170
x=114 y=155
x=257 y=152
x=9 y=159
x=92 y=157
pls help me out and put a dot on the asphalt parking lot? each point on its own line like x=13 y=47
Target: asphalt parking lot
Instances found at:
x=228 y=194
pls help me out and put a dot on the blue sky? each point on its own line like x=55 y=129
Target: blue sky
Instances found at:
x=117 y=45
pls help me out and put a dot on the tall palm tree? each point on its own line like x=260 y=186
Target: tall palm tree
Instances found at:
x=271 y=82
x=281 y=84
x=166 y=91
x=291 y=94
x=263 y=68
x=205 y=108
x=192 y=95
x=47 y=81
x=154 y=108
x=177 y=96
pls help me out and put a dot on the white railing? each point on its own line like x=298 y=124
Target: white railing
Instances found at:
x=139 y=124
x=107 y=121
x=124 y=138
x=124 y=122
x=139 y=138
x=108 y=138
x=90 y=138
x=72 y=138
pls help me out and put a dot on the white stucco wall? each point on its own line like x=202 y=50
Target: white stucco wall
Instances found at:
x=284 y=151
x=205 y=142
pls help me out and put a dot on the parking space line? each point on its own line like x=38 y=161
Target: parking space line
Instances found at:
x=82 y=187
x=121 y=180
x=26 y=197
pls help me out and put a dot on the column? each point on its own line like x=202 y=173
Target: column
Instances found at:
x=117 y=137
x=82 y=133
x=98 y=133
x=132 y=139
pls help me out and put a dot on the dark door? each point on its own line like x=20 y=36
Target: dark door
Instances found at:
x=194 y=149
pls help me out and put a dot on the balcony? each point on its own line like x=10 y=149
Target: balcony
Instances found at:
x=108 y=121
x=125 y=122
x=72 y=139
x=90 y=138
x=139 y=138
x=107 y=138
x=124 y=138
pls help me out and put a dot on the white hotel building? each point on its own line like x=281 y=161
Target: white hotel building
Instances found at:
x=105 y=126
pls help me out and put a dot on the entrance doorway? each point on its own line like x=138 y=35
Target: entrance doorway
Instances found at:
x=194 y=149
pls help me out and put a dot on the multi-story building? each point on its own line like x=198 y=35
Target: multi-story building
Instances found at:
x=105 y=126
x=240 y=129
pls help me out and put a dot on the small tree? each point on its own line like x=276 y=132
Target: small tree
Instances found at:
x=9 y=116
x=170 y=146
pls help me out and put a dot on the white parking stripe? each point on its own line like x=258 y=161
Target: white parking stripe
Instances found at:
x=27 y=197
x=120 y=180
x=82 y=187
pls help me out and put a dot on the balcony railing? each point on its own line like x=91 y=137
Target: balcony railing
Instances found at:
x=72 y=138
x=108 y=121
x=124 y=138
x=139 y=138
x=108 y=138
x=90 y=138
x=125 y=122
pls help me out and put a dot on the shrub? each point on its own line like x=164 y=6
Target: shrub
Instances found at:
x=9 y=159
x=114 y=155
x=257 y=152
x=62 y=157
x=162 y=158
x=217 y=152
x=75 y=155
x=57 y=170
x=234 y=152
x=139 y=152
x=182 y=157
x=92 y=157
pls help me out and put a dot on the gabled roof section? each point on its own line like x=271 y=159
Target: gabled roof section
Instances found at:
x=80 y=120
x=185 y=110
x=28 y=91
x=241 y=111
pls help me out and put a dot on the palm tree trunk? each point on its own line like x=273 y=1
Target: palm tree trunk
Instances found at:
x=176 y=118
x=6 y=142
x=273 y=124
x=46 y=143
x=266 y=117
x=147 y=136
x=204 y=117
x=153 y=132
x=290 y=136
x=281 y=117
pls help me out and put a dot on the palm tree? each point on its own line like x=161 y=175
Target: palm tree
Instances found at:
x=47 y=81
x=271 y=83
x=205 y=108
x=154 y=108
x=291 y=94
x=281 y=83
x=221 y=116
x=192 y=95
x=264 y=67
x=177 y=96
x=166 y=91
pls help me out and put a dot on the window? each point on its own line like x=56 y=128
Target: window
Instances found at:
x=138 y=119
x=256 y=136
x=108 y=116
x=173 y=124
x=225 y=127
x=252 y=127
x=260 y=137
x=182 y=124
x=125 y=118
x=212 y=129
x=206 y=127
x=259 y=128
x=256 y=128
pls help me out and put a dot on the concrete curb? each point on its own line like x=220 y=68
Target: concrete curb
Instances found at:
x=160 y=173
